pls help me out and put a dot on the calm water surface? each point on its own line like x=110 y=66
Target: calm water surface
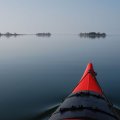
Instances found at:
x=37 y=73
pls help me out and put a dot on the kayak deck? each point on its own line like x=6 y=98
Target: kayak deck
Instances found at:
x=86 y=102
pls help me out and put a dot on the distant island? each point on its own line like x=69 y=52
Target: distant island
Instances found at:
x=8 y=34
x=43 y=34
x=93 y=35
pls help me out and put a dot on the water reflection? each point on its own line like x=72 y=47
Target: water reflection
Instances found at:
x=36 y=73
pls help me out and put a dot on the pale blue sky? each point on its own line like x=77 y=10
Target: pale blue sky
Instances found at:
x=60 y=16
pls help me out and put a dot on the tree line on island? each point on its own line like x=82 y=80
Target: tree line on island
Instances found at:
x=43 y=34
x=8 y=34
x=93 y=35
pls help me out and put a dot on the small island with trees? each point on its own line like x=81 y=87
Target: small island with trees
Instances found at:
x=8 y=34
x=93 y=35
x=43 y=34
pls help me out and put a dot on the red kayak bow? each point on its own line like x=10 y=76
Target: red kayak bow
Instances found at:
x=86 y=102
x=88 y=81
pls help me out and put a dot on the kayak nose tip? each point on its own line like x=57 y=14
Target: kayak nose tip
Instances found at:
x=90 y=65
x=90 y=68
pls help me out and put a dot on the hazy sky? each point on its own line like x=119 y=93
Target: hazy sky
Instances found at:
x=60 y=16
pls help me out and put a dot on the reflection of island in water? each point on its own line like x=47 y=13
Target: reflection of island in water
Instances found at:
x=10 y=34
x=43 y=34
x=93 y=35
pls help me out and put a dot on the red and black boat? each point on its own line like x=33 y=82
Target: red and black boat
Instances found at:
x=86 y=102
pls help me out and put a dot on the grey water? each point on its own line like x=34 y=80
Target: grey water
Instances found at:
x=37 y=73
